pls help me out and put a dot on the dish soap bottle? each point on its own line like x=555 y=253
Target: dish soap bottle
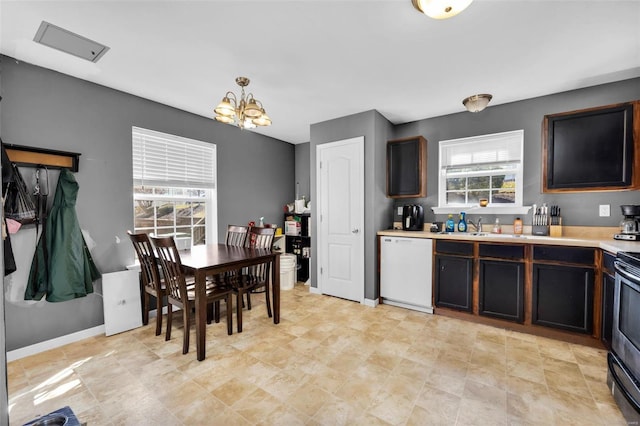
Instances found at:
x=462 y=224
x=497 y=229
x=450 y=225
x=517 y=226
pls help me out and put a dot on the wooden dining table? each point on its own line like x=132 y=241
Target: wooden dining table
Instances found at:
x=212 y=259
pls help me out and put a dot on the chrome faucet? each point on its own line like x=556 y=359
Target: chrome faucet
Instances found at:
x=477 y=226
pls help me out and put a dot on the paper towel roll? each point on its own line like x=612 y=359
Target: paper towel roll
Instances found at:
x=300 y=206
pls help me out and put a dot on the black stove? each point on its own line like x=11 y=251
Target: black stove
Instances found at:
x=630 y=257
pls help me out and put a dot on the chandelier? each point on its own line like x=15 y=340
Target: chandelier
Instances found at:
x=441 y=9
x=245 y=112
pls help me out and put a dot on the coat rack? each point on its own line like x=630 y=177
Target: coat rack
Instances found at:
x=34 y=157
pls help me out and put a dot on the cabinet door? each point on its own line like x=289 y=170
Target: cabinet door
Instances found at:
x=454 y=277
x=608 y=288
x=563 y=297
x=502 y=290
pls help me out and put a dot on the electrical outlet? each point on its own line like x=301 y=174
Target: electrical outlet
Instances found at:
x=400 y=211
x=605 y=210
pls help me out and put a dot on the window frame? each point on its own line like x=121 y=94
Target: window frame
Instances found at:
x=210 y=199
x=515 y=136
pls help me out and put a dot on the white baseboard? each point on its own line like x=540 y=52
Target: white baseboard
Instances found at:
x=66 y=339
x=54 y=343
x=314 y=290
x=372 y=303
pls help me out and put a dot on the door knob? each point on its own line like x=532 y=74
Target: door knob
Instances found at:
x=355 y=231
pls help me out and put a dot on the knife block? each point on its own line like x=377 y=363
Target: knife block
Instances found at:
x=541 y=230
x=555 y=231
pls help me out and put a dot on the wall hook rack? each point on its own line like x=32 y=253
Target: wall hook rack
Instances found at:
x=41 y=157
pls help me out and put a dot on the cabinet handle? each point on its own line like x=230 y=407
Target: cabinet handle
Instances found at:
x=355 y=231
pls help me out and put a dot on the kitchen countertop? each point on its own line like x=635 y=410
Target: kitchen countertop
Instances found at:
x=575 y=236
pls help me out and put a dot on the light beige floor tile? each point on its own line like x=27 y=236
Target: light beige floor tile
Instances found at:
x=329 y=362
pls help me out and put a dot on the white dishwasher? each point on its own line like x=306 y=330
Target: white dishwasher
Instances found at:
x=405 y=272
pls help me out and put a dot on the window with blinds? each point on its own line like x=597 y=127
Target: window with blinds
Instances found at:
x=487 y=166
x=174 y=191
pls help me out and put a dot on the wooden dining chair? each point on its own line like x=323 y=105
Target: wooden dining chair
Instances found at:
x=236 y=235
x=254 y=276
x=151 y=282
x=178 y=294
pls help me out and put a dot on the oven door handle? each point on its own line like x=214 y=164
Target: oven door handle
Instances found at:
x=620 y=270
x=620 y=385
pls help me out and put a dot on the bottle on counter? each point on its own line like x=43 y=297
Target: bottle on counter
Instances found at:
x=450 y=225
x=462 y=223
x=517 y=226
x=497 y=229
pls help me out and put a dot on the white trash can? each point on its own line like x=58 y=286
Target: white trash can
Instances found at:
x=287 y=271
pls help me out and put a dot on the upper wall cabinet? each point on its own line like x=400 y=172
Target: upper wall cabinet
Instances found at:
x=407 y=167
x=596 y=149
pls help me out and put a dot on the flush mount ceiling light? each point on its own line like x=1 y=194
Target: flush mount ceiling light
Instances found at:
x=441 y=9
x=245 y=112
x=477 y=103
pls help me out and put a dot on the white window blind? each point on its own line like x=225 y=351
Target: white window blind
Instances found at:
x=161 y=159
x=495 y=148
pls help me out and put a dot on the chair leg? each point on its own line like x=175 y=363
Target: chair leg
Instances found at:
x=249 y=300
x=239 y=300
x=158 y=314
x=185 y=338
x=228 y=303
x=145 y=309
x=216 y=312
x=210 y=312
x=169 y=321
x=268 y=299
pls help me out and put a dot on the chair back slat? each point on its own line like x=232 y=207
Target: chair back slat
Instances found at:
x=169 y=259
x=236 y=235
x=147 y=259
x=260 y=238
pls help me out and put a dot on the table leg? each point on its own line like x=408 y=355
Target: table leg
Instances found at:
x=201 y=314
x=275 y=288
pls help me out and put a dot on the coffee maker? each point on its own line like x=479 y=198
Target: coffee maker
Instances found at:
x=630 y=225
x=412 y=217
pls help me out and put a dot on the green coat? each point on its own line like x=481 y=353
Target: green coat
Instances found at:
x=62 y=267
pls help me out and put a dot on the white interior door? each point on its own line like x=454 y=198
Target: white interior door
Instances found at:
x=340 y=177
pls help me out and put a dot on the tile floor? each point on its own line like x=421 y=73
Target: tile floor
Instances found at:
x=329 y=362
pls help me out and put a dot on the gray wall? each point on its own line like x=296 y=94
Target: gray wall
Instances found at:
x=578 y=209
x=376 y=131
x=302 y=169
x=43 y=108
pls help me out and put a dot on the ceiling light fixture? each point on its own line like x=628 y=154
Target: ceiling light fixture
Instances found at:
x=246 y=112
x=477 y=103
x=441 y=9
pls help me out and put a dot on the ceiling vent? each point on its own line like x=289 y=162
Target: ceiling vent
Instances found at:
x=68 y=42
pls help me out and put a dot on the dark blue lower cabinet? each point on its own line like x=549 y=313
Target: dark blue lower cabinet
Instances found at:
x=501 y=288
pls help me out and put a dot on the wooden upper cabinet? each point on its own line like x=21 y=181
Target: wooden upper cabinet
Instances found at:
x=407 y=167
x=595 y=149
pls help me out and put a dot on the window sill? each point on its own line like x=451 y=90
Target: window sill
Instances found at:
x=487 y=210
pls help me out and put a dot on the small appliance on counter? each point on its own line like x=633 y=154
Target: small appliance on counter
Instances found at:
x=630 y=225
x=412 y=217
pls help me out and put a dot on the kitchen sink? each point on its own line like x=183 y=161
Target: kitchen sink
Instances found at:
x=487 y=234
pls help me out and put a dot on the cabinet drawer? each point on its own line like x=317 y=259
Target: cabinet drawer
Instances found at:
x=578 y=255
x=454 y=247
x=501 y=251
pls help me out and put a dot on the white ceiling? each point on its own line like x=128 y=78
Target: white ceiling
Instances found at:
x=311 y=61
